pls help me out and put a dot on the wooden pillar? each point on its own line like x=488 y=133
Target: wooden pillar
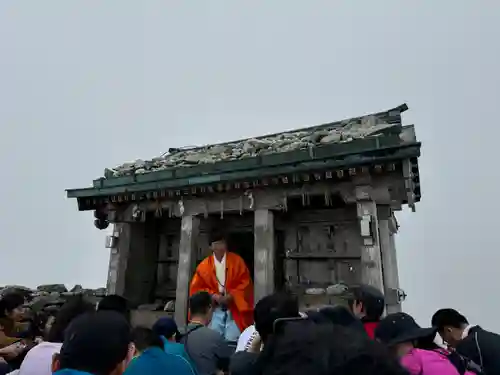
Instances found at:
x=371 y=263
x=264 y=253
x=114 y=259
x=394 y=274
x=118 y=261
x=389 y=262
x=187 y=260
x=113 y=263
x=394 y=260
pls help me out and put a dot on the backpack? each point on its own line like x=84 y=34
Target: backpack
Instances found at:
x=461 y=363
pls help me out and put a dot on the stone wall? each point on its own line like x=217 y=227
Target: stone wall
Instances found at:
x=51 y=296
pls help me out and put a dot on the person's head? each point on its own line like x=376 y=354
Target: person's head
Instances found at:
x=401 y=333
x=365 y=301
x=166 y=327
x=450 y=325
x=305 y=347
x=218 y=244
x=272 y=308
x=339 y=315
x=114 y=302
x=144 y=338
x=201 y=307
x=70 y=310
x=12 y=307
x=98 y=343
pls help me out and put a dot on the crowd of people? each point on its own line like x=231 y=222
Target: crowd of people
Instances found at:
x=225 y=334
x=350 y=338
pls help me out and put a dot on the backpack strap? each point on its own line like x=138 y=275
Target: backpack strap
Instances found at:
x=192 y=330
x=461 y=363
x=186 y=336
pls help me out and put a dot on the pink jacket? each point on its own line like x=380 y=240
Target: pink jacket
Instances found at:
x=428 y=362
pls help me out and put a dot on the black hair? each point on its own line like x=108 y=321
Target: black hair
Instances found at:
x=304 y=347
x=145 y=338
x=10 y=302
x=70 y=310
x=342 y=316
x=270 y=308
x=372 y=299
x=96 y=342
x=426 y=343
x=200 y=303
x=217 y=235
x=448 y=317
x=114 y=302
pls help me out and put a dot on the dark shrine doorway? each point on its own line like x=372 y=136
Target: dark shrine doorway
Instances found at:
x=241 y=243
x=238 y=231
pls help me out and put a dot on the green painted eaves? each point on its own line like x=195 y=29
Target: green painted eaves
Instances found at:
x=343 y=155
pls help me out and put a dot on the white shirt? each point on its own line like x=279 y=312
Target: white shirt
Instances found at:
x=246 y=338
x=220 y=272
x=38 y=361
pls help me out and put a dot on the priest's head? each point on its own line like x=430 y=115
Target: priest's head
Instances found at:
x=218 y=244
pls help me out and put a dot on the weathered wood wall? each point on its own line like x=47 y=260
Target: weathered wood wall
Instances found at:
x=168 y=258
x=347 y=242
x=322 y=247
x=132 y=267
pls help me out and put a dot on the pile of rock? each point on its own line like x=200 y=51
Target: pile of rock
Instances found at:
x=52 y=295
x=339 y=132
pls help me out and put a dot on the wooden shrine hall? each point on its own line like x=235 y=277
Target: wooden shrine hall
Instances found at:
x=305 y=209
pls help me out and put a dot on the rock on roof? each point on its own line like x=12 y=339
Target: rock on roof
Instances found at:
x=338 y=132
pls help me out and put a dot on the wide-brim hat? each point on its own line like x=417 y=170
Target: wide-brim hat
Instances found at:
x=400 y=327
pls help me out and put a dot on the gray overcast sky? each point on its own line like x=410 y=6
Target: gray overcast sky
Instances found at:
x=89 y=84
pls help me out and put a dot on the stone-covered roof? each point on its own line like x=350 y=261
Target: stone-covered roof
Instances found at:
x=373 y=125
x=370 y=140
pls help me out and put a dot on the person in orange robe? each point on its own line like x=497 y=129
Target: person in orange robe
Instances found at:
x=226 y=277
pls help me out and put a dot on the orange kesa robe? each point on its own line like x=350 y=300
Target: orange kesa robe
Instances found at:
x=238 y=285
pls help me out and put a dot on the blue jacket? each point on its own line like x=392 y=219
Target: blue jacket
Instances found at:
x=155 y=361
x=176 y=349
x=71 y=372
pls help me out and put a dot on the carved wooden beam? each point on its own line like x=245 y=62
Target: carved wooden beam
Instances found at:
x=251 y=200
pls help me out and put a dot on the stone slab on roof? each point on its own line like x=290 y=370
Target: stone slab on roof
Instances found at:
x=372 y=125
